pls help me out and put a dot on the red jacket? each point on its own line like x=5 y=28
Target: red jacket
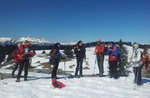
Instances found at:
x=26 y=51
x=99 y=49
x=15 y=54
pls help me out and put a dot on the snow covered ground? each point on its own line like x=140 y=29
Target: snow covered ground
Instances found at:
x=85 y=87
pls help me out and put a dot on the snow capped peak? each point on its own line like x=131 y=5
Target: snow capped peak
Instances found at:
x=71 y=43
x=7 y=40
x=33 y=40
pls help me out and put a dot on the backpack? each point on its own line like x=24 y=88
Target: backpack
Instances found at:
x=57 y=56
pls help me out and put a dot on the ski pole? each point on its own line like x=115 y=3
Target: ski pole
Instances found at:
x=130 y=64
x=94 y=65
x=64 y=69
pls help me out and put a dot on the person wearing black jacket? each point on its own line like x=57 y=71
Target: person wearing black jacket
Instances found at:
x=79 y=51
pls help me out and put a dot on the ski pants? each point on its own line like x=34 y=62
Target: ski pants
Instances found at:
x=100 y=61
x=113 y=69
x=55 y=68
x=79 y=66
x=137 y=73
x=15 y=68
x=23 y=64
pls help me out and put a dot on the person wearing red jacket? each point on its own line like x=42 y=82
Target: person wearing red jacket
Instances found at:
x=113 y=53
x=16 y=60
x=26 y=51
x=99 y=50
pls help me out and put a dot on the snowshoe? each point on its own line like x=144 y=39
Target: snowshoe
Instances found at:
x=73 y=76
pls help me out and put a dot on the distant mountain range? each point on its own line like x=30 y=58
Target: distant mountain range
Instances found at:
x=33 y=40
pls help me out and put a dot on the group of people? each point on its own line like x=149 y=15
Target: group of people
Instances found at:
x=138 y=59
x=100 y=51
x=24 y=52
x=22 y=55
x=80 y=52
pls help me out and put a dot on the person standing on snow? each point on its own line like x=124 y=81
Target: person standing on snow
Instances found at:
x=113 y=53
x=16 y=60
x=55 y=57
x=99 y=50
x=79 y=51
x=26 y=51
x=136 y=62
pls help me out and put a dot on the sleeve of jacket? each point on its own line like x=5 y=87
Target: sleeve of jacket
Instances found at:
x=54 y=53
x=139 y=56
x=108 y=51
x=84 y=53
x=116 y=52
x=75 y=51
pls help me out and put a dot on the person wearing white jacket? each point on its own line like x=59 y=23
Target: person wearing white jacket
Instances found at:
x=136 y=62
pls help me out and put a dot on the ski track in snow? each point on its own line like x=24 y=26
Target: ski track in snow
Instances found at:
x=84 y=87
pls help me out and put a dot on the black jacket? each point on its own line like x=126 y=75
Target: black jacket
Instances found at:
x=2 y=54
x=80 y=51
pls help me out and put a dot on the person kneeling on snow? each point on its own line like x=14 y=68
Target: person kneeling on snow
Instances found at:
x=55 y=57
x=26 y=51
x=113 y=53
x=136 y=62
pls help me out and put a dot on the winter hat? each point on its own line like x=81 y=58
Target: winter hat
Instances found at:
x=112 y=43
x=135 y=46
x=79 y=42
x=26 y=42
x=98 y=40
x=57 y=46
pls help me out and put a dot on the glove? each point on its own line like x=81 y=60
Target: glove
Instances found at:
x=26 y=56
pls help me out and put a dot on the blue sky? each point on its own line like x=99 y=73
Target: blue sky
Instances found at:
x=73 y=20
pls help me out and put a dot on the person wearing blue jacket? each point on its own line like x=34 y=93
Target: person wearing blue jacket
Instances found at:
x=113 y=53
x=55 y=57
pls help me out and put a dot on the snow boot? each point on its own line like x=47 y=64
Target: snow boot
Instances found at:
x=18 y=80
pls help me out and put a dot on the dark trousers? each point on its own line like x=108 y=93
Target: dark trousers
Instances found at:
x=137 y=73
x=100 y=60
x=15 y=68
x=55 y=68
x=113 y=69
x=79 y=66
x=23 y=64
